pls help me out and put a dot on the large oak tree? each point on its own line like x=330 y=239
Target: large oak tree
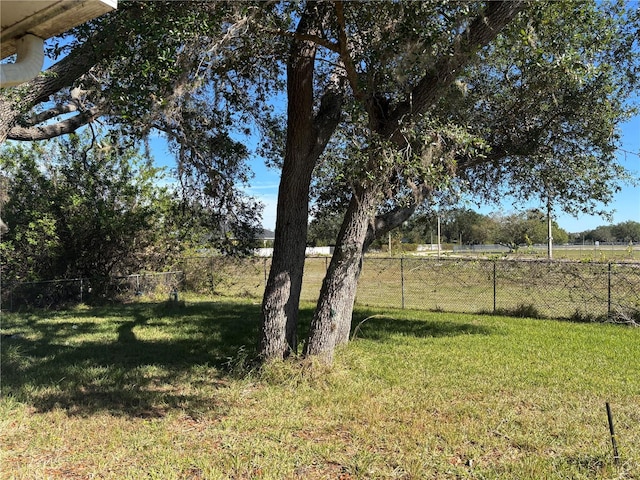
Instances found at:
x=446 y=38
x=476 y=100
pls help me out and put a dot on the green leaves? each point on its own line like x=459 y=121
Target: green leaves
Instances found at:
x=82 y=207
x=547 y=98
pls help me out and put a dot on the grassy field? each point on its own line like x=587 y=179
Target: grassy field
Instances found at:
x=163 y=392
x=560 y=289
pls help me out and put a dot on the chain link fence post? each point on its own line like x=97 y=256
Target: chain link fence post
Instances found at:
x=402 y=280
x=213 y=281
x=609 y=291
x=264 y=270
x=495 y=285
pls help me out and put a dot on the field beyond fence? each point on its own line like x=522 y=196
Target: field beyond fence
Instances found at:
x=577 y=290
x=535 y=288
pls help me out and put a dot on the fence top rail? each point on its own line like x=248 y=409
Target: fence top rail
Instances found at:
x=505 y=260
x=84 y=279
x=441 y=259
x=151 y=274
x=36 y=282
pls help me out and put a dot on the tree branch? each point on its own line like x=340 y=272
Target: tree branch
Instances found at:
x=480 y=33
x=80 y=60
x=343 y=50
x=326 y=120
x=42 y=117
x=55 y=130
x=307 y=37
x=382 y=224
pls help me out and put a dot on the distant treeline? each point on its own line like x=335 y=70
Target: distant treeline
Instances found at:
x=465 y=226
x=623 y=232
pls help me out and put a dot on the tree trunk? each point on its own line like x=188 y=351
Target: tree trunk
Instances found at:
x=382 y=225
x=331 y=322
x=282 y=293
x=307 y=137
x=331 y=325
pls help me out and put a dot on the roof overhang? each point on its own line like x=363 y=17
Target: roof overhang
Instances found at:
x=45 y=18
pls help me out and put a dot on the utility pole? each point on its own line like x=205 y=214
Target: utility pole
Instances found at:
x=549 y=230
x=438 y=235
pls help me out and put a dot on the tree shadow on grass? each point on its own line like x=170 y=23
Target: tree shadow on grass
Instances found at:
x=373 y=326
x=144 y=360
x=136 y=360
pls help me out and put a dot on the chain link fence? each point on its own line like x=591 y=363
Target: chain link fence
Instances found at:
x=557 y=289
x=581 y=291
x=59 y=293
x=236 y=277
x=245 y=277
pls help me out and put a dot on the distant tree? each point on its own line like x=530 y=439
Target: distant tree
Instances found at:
x=560 y=235
x=484 y=231
x=626 y=231
x=603 y=233
x=527 y=228
x=511 y=231
x=323 y=229
x=473 y=227
x=418 y=229
x=463 y=224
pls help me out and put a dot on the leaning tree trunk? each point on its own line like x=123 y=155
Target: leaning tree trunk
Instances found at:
x=382 y=225
x=332 y=319
x=334 y=312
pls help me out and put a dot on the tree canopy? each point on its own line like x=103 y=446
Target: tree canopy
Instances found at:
x=621 y=232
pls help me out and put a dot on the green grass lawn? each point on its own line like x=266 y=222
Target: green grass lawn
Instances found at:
x=161 y=392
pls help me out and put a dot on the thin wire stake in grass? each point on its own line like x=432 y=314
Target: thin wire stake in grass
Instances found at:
x=616 y=456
